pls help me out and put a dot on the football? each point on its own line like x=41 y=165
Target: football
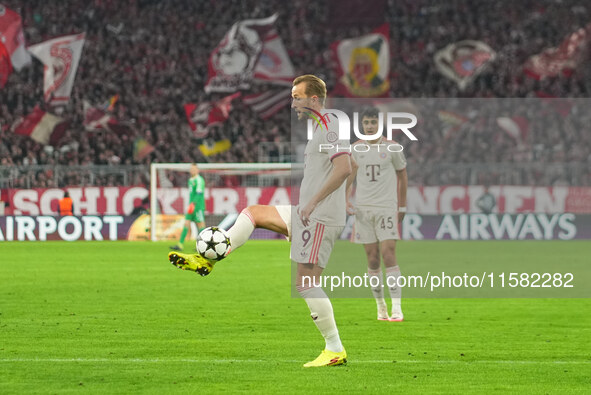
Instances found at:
x=213 y=243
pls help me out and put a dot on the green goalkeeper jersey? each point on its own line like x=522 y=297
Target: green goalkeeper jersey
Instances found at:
x=197 y=192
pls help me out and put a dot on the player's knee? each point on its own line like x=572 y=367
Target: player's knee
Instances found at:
x=373 y=258
x=373 y=262
x=251 y=213
x=257 y=209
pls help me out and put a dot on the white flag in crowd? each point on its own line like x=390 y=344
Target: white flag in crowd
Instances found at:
x=517 y=127
x=12 y=38
x=268 y=103
x=61 y=57
x=274 y=65
x=463 y=61
x=250 y=47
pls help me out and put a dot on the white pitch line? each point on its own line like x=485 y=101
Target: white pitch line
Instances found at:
x=224 y=361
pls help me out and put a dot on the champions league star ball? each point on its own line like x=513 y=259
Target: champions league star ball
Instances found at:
x=213 y=243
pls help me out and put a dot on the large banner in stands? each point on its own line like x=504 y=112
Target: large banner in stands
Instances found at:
x=123 y=200
x=421 y=200
x=88 y=227
x=539 y=226
x=70 y=228
x=565 y=226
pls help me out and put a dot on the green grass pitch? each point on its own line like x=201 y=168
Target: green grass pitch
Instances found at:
x=115 y=317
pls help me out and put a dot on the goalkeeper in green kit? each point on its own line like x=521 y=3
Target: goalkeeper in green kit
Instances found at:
x=196 y=209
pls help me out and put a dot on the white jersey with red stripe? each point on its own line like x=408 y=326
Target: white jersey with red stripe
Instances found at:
x=377 y=182
x=320 y=151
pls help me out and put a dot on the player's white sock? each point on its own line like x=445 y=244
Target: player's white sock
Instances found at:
x=323 y=316
x=392 y=274
x=242 y=229
x=377 y=289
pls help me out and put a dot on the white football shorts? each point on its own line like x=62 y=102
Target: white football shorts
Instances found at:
x=375 y=225
x=313 y=243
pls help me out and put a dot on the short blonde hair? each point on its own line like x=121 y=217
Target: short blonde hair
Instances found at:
x=314 y=86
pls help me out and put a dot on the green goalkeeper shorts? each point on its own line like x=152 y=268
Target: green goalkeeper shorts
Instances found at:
x=196 y=216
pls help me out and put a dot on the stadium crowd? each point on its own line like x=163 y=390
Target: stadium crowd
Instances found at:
x=154 y=54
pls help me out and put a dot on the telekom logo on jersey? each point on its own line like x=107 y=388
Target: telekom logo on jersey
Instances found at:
x=392 y=123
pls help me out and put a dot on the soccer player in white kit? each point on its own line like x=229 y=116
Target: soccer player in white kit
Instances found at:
x=316 y=222
x=379 y=167
x=321 y=214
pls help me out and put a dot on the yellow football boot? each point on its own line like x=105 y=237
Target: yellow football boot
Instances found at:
x=193 y=262
x=328 y=358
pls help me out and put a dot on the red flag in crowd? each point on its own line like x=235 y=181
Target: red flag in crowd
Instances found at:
x=201 y=116
x=562 y=59
x=44 y=128
x=268 y=103
x=96 y=118
x=12 y=38
x=5 y=66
